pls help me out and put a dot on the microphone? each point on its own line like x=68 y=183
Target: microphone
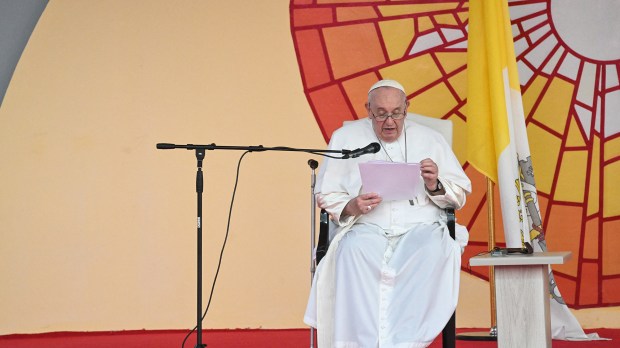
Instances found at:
x=526 y=250
x=166 y=146
x=370 y=148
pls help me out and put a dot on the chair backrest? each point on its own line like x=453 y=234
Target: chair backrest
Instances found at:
x=442 y=126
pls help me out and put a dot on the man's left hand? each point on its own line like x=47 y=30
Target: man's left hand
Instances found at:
x=430 y=172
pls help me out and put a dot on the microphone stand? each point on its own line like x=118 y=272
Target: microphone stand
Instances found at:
x=260 y=148
x=313 y=165
x=200 y=155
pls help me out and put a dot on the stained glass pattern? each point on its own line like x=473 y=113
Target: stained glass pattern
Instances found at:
x=571 y=95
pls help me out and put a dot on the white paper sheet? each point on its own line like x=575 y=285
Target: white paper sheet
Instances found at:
x=392 y=181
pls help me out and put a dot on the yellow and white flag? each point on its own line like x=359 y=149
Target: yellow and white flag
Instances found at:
x=497 y=139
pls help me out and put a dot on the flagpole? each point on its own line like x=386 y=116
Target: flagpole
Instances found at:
x=491 y=222
x=491 y=335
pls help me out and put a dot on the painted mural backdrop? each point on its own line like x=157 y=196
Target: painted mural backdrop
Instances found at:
x=568 y=53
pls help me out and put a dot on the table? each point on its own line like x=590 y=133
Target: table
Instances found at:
x=522 y=296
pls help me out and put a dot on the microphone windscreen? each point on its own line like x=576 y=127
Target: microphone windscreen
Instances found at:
x=165 y=146
x=313 y=163
x=375 y=147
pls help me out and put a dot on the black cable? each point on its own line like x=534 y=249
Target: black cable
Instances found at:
x=232 y=201
x=219 y=264
x=324 y=155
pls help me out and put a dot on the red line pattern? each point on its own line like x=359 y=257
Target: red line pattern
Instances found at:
x=545 y=56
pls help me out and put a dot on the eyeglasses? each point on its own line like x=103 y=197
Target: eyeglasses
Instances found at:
x=395 y=116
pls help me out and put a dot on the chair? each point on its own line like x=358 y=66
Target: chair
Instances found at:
x=326 y=226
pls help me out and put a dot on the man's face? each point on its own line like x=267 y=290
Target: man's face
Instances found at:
x=387 y=101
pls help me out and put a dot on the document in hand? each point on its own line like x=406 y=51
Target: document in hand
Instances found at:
x=392 y=181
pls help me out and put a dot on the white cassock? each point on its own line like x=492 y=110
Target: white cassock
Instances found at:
x=390 y=277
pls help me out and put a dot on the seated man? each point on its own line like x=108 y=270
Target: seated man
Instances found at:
x=391 y=275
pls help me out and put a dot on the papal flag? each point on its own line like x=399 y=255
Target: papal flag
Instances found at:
x=497 y=140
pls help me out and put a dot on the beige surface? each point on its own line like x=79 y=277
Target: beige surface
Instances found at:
x=523 y=317
x=98 y=227
x=536 y=258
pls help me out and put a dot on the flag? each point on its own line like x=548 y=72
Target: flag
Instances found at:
x=497 y=140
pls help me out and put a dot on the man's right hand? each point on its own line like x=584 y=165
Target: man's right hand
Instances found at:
x=362 y=204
